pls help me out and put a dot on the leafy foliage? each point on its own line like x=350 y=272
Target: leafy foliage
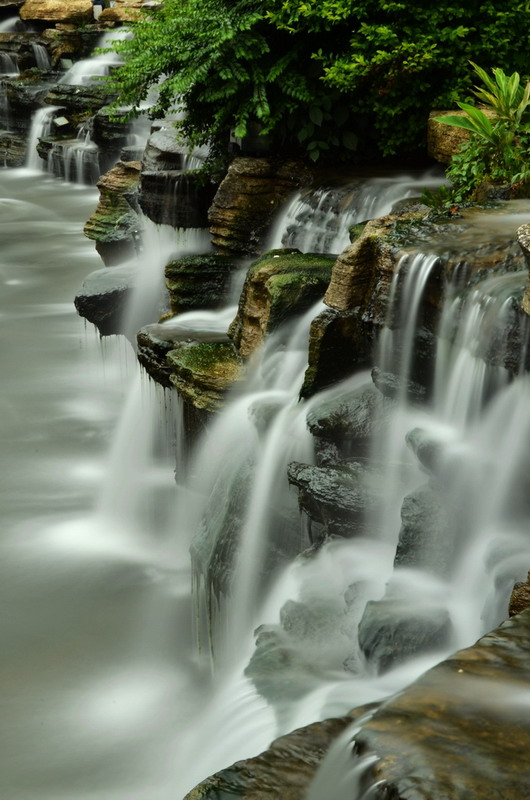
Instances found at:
x=318 y=77
x=497 y=150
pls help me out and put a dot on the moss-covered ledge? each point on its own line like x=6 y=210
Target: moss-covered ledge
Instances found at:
x=202 y=372
x=280 y=285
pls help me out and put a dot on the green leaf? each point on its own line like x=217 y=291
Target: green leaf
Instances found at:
x=315 y=115
x=350 y=140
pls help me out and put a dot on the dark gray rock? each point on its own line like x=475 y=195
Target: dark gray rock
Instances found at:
x=427 y=534
x=175 y=198
x=394 y=629
x=337 y=499
x=103 y=297
x=350 y=419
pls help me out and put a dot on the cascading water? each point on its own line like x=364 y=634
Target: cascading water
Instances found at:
x=107 y=698
x=42 y=59
x=317 y=220
x=87 y=71
x=41 y=126
x=75 y=161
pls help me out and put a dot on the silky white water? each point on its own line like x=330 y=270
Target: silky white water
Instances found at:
x=105 y=696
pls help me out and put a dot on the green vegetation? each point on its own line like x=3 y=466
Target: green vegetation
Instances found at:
x=497 y=150
x=337 y=78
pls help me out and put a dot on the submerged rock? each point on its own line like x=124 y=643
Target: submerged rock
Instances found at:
x=397 y=628
x=248 y=197
x=426 y=538
x=458 y=732
x=279 y=286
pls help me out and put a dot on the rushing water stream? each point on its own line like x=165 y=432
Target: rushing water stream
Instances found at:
x=105 y=695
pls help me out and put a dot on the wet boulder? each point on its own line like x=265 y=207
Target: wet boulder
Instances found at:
x=114 y=225
x=244 y=205
x=12 y=149
x=163 y=151
x=427 y=535
x=350 y=419
x=336 y=499
x=280 y=285
x=402 y=626
x=79 y=100
x=340 y=344
x=103 y=297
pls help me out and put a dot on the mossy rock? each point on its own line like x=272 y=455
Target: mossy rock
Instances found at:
x=203 y=372
x=198 y=281
x=282 y=284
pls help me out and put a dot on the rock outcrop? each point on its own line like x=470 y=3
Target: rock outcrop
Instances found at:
x=280 y=285
x=114 y=225
x=73 y=12
x=248 y=197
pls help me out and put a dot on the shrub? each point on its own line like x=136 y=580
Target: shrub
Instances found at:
x=320 y=77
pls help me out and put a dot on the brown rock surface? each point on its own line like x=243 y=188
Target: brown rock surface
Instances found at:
x=364 y=270
x=249 y=195
x=520 y=597
x=283 y=772
x=463 y=729
x=70 y=11
x=523 y=237
x=122 y=11
x=443 y=141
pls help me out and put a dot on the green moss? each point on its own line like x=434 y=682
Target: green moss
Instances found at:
x=292 y=261
x=208 y=358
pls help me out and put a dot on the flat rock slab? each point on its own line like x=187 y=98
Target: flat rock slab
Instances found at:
x=462 y=731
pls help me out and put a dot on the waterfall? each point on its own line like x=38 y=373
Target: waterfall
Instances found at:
x=87 y=71
x=318 y=220
x=42 y=59
x=10 y=24
x=41 y=126
x=8 y=64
